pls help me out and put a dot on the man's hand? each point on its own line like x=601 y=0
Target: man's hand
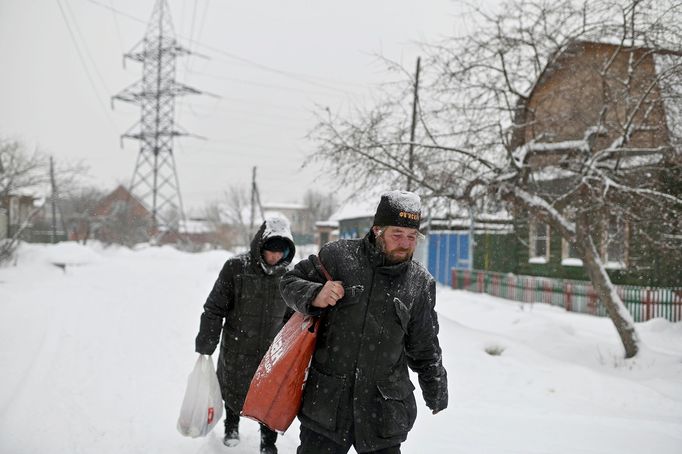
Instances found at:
x=439 y=405
x=331 y=292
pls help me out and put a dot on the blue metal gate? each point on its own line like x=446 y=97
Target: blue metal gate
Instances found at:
x=448 y=250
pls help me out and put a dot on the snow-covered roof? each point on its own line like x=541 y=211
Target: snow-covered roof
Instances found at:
x=363 y=208
x=284 y=206
x=246 y=215
x=332 y=224
x=459 y=211
x=34 y=193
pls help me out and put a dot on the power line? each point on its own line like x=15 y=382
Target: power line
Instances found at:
x=268 y=103
x=305 y=78
x=260 y=114
x=85 y=46
x=84 y=65
x=191 y=32
x=299 y=77
x=118 y=28
x=119 y=12
x=266 y=85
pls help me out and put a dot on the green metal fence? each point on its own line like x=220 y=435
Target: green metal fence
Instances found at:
x=644 y=303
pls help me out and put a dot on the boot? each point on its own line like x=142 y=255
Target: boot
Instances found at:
x=267 y=440
x=231 y=437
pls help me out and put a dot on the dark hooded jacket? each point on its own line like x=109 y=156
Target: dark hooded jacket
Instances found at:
x=246 y=298
x=358 y=389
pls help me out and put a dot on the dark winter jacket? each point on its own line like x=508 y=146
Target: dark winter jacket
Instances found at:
x=246 y=296
x=358 y=379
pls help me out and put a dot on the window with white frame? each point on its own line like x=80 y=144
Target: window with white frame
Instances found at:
x=539 y=242
x=14 y=211
x=615 y=243
x=569 y=254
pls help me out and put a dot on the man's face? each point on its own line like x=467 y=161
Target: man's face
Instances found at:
x=272 y=258
x=397 y=243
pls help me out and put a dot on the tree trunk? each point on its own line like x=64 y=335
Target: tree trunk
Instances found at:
x=605 y=290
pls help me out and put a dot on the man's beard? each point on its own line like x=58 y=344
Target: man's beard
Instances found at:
x=392 y=258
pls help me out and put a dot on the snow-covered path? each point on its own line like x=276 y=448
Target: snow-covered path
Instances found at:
x=95 y=359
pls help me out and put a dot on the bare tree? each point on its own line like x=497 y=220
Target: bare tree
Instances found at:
x=564 y=110
x=223 y=234
x=20 y=171
x=320 y=207
x=78 y=211
x=236 y=209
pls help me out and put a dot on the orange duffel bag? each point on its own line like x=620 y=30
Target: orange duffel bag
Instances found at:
x=276 y=389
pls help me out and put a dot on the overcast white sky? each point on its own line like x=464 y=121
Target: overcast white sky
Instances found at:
x=270 y=61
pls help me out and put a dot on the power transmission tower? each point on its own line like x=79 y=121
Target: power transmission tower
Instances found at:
x=155 y=179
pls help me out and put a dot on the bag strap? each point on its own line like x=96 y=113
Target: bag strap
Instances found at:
x=324 y=270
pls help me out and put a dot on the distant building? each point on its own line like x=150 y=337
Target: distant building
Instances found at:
x=326 y=231
x=121 y=218
x=297 y=215
x=355 y=218
x=15 y=210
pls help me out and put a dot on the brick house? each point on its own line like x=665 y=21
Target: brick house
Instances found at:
x=572 y=95
x=119 y=217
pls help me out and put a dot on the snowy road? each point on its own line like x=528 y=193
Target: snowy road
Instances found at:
x=95 y=359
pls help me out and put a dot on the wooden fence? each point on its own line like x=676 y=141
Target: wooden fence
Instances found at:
x=644 y=303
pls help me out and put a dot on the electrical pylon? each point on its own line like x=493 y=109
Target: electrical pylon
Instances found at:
x=155 y=179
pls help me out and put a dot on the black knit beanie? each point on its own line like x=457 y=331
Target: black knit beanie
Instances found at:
x=400 y=209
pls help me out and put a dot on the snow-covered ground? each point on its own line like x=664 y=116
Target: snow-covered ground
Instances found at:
x=95 y=358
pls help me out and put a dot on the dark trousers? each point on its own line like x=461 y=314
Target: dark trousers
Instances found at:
x=267 y=437
x=314 y=443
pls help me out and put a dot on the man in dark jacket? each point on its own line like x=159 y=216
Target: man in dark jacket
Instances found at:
x=246 y=295
x=377 y=318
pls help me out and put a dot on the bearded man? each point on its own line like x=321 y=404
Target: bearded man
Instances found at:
x=377 y=318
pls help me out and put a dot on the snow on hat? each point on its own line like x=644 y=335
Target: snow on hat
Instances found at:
x=399 y=208
x=276 y=244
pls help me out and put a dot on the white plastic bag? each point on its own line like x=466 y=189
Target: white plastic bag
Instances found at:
x=202 y=406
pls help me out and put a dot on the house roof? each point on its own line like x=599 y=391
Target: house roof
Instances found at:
x=284 y=206
x=121 y=193
x=364 y=208
x=667 y=70
x=575 y=46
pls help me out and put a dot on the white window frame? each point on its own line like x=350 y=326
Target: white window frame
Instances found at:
x=533 y=257
x=620 y=262
x=566 y=259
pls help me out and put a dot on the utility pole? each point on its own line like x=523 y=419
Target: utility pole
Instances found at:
x=155 y=179
x=54 y=202
x=253 y=195
x=255 y=198
x=415 y=102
